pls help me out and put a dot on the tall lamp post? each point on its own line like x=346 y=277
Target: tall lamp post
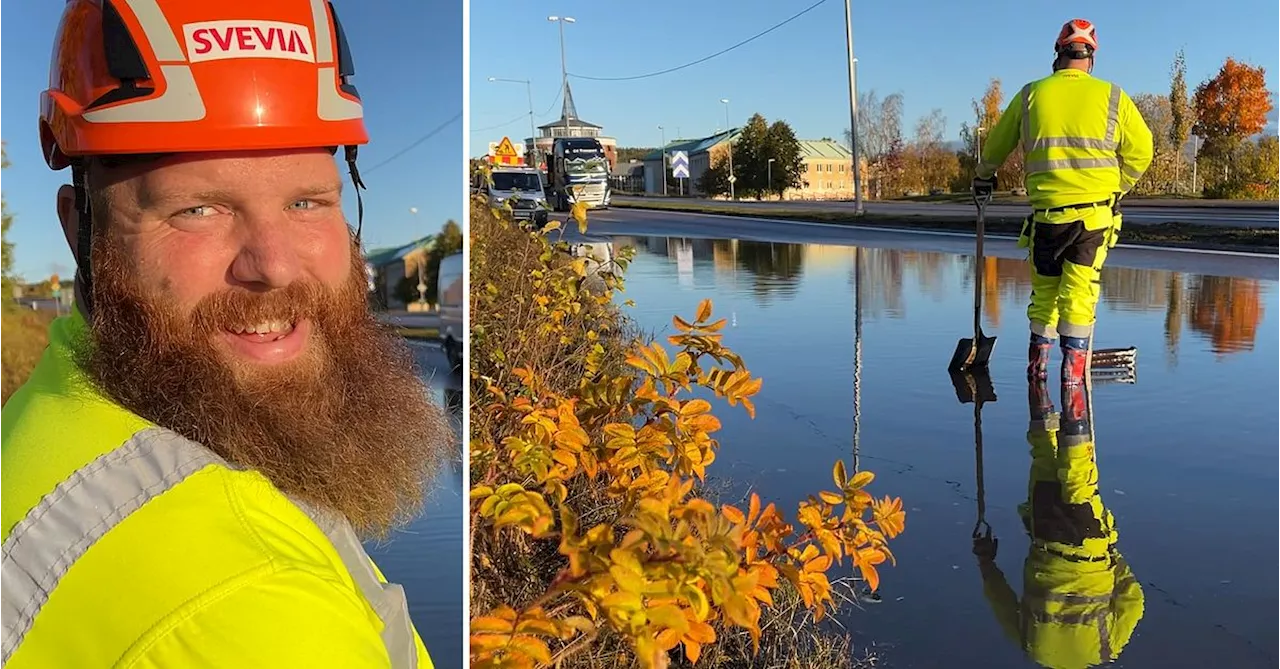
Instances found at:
x=769 y=175
x=663 y=151
x=533 y=135
x=564 y=72
x=422 y=262
x=853 y=107
x=727 y=129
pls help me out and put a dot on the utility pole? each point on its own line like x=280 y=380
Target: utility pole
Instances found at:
x=728 y=129
x=564 y=72
x=853 y=107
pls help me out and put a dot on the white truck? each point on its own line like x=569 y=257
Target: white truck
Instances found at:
x=521 y=189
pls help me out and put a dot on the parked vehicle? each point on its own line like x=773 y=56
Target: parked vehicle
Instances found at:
x=520 y=188
x=451 y=296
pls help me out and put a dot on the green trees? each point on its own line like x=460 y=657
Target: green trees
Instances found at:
x=8 y=245
x=766 y=161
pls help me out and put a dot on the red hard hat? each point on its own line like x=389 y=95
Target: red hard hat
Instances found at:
x=1077 y=31
x=167 y=76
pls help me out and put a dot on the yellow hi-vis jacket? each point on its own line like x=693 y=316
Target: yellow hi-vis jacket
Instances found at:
x=126 y=545
x=1083 y=140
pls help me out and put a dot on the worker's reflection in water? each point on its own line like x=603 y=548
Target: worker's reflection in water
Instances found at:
x=1080 y=601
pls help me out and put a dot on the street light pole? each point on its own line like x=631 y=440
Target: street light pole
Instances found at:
x=769 y=177
x=564 y=72
x=422 y=276
x=853 y=107
x=978 y=157
x=728 y=129
x=663 y=151
x=533 y=134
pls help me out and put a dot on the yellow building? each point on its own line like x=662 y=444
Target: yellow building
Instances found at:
x=828 y=172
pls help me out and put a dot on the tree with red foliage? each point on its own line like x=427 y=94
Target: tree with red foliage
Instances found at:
x=1231 y=106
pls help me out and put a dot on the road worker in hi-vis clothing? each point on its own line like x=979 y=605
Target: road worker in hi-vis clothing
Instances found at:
x=1084 y=145
x=1080 y=601
x=190 y=469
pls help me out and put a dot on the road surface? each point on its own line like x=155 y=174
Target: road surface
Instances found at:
x=411 y=319
x=1224 y=214
x=603 y=225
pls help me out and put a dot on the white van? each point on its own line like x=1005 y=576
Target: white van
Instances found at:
x=451 y=294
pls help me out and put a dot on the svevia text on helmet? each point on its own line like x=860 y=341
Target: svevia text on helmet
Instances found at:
x=218 y=40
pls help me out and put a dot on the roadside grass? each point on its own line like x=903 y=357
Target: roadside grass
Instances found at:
x=1191 y=235
x=418 y=333
x=26 y=334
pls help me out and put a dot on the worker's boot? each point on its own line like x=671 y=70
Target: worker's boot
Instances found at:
x=1075 y=409
x=1039 y=401
x=1038 y=357
x=1075 y=359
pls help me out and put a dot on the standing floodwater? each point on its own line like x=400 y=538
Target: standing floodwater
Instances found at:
x=1186 y=457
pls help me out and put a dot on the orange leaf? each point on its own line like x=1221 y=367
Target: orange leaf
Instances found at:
x=491 y=624
x=830 y=497
x=534 y=647
x=704 y=311
x=889 y=516
x=753 y=510
x=733 y=514
x=692 y=650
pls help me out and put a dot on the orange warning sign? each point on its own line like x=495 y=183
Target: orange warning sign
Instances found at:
x=506 y=154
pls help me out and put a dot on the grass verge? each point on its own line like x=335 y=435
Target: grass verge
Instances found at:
x=26 y=334
x=1186 y=235
x=419 y=333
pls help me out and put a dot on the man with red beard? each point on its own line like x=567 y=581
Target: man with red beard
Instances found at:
x=189 y=470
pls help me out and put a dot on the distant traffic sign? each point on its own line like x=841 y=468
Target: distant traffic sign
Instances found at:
x=680 y=164
x=506 y=154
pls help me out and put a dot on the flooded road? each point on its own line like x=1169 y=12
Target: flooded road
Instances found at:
x=426 y=556
x=1186 y=456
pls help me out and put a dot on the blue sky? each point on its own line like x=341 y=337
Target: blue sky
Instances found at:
x=408 y=57
x=797 y=72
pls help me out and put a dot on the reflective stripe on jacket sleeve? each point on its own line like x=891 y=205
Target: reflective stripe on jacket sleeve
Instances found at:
x=88 y=504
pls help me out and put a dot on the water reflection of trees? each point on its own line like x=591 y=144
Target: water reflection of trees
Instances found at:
x=1225 y=311
x=774 y=268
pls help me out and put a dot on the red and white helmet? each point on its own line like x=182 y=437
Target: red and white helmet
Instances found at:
x=1077 y=31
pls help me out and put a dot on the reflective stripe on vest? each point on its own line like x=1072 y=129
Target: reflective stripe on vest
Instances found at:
x=94 y=499
x=1108 y=143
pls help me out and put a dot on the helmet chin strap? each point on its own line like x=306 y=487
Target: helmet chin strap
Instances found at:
x=351 y=151
x=84 y=240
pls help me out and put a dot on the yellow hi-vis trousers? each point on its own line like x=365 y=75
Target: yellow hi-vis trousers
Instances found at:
x=1068 y=247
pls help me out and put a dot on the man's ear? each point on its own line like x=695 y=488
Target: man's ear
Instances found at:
x=69 y=217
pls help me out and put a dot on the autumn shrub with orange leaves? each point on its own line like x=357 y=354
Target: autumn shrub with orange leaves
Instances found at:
x=589 y=447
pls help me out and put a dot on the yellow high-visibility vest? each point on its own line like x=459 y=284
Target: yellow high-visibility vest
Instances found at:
x=127 y=545
x=1083 y=140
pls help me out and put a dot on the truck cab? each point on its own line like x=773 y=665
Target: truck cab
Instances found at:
x=578 y=171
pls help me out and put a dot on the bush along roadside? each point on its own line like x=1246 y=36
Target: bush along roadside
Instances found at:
x=593 y=538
